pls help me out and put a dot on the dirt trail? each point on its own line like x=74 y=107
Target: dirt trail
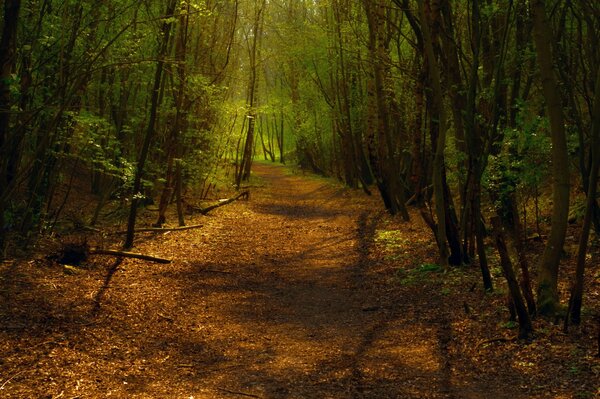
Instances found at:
x=281 y=291
x=301 y=318
x=276 y=297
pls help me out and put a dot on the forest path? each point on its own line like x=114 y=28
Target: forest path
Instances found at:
x=277 y=297
x=282 y=291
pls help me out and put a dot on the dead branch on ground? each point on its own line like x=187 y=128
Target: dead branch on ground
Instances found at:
x=125 y=254
x=162 y=229
x=244 y=194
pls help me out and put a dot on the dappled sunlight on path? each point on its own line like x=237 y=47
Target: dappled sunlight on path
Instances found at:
x=281 y=296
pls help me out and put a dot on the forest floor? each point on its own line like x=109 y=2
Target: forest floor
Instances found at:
x=306 y=290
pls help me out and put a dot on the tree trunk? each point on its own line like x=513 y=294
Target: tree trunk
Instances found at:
x=576 y=299
x=254 y=54
x=525 y=327
x=438 y=160
x=182 y=105
x=549 y=263
x=383 y=151
x=7 y=62
x=137 y=185
x=178 y=197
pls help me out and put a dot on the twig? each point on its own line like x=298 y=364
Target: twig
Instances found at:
x=129 y=255
x=42 y=344
x=167 y=318
x=11 y=378
x=215 y=271
x=249 y=395
x=162 y=229
x=204 y=211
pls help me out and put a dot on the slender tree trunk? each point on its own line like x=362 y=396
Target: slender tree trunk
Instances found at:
x=180 y=122
x=438 y=160
x=281 y=137
x=7 y=62
x=383 y=151
x=254 y=55
x=178 y=195
x=549 y=263
x=150 y=131
x=576 y=299
x=479 y=236
x=525 y=327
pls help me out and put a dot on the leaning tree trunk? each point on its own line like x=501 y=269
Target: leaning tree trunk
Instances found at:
x=549 y=263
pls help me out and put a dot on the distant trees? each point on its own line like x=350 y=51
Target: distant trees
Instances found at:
x=455 y=108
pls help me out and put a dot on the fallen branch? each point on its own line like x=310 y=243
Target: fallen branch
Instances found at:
x=162 y=229
x=214 y=271
x=204 y=211
x=249 y=395
x=125 y=254
x=11 y=378
x=167 y=318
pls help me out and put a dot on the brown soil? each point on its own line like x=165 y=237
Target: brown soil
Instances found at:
x=294 y=293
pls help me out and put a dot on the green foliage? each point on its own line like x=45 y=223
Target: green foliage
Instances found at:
x=392 y=239
x=511 y=325
x=578 y=206
x=419 y=274
x=429 y=268
x=523 y=161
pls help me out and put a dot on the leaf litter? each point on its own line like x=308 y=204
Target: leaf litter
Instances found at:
x=306 y=290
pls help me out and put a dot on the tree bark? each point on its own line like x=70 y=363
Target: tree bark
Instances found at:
x=137 y=185
x=180 y=122
x=438 y=160
x=7 y=62
x=383 y=151
x=576 y=300
x=254 y=54
x=549 y=264
x=525 y=327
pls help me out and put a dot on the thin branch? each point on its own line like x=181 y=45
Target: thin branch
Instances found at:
x=125 y=254
x=162 y=229
x=204 y=211
x=249 y=395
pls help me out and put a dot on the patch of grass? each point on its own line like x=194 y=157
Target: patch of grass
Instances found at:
x=496 y=271
x=419 y=274
x=396 y=257
x=509 y=325
x=391 y=238
x=430 y=268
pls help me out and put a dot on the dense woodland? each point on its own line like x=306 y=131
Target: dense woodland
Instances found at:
x=483 y=115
